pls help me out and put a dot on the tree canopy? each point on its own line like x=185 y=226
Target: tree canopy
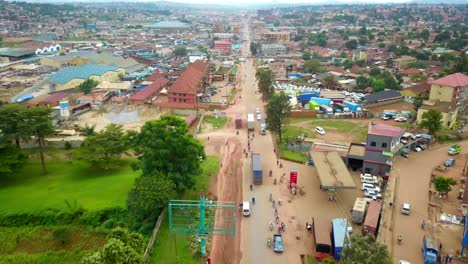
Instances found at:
x=180 y=51
x=443 y=184
x=165 y=146
x=313 y=66
x=253 y=48
x=431 y=120
x=364 y=250
x=13 y=123
x=149 y=195
x=352 y=44
x=39 y=121
x=103 y=149
x=88 y=85
x=265 y=78
x=278 y=109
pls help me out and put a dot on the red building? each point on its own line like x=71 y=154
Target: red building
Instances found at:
x=148 y=94
x=189 y=84
x=222 y=45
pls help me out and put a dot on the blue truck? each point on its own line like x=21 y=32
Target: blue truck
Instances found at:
x=321 y=101
x=353 y=107
x=340 y=108
x=430 y=249
x=341 y=229
x=257 y=168
x=305 y=97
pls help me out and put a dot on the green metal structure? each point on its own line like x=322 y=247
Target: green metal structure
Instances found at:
x=202 y=218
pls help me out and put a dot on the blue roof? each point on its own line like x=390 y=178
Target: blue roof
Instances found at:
x=170 y=24
x=339 y=230
x=80 y=72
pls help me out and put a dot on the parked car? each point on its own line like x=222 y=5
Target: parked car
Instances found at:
x=422 y=146
x=369 y=198
x=417 y=149
x=385 y=117
x=368 y=178
x=257 y=110
x=449 y=162
x=404 y=141
x=320 y=130
x=259 y=116
x=405 y=154
x=372 y=193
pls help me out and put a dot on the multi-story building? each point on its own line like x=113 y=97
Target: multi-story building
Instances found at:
x=275 y=37
x=383 y=142
x=273 y=49
x=449 y=95
x=223 y=45
x=403 y=61
x=189 y=84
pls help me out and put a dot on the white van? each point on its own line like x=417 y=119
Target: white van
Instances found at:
x=368 y=177
x=246 y=208
x=405 y=209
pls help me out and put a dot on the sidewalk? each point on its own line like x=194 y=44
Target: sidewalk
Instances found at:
x=385 y=234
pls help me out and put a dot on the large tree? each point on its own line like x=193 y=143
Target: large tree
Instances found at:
x=278 y=109
x=88 y=85
x=313 y=66
x=431 y=120
x=265 y=78
x=103 y=149
x=253 y=48
x=39 y=121
x=352 y=44
x=364 y=250
x=165 y=146
x=11 y=158
x=13 y=123
x=443 y=184
x=180 y=51
x=149 y=195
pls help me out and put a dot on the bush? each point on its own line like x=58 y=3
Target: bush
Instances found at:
x=109 y=223
x=62 y=234
x=67 y=145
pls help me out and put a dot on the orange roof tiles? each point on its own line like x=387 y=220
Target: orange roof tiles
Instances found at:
x=188 y=82
x=453 y=80
x=151 y=89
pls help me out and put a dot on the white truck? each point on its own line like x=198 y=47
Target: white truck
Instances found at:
x=250 y=122
x=359 y=210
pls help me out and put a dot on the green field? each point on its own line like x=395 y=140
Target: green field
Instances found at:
x=164 y=250
x=216 y=122
x=29 y=190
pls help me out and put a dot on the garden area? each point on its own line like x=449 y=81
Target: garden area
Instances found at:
x=216 y=122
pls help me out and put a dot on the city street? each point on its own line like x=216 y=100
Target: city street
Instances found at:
x=413 y=188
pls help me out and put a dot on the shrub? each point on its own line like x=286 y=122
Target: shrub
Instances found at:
x=62 y=234
x=67 y=145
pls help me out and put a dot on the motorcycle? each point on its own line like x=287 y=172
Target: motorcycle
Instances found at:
x=269 y=242
x=399 y=240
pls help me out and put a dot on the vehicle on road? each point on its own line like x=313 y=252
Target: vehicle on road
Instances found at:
x=454 y=150
x=341 y=230
x=263 y=128
x=320 y=130
x=405 y=208
x=430 y=249
x=323 y=244
x=449 y=162
x=246 y=208
x=257 y=168
x=257 y=110
x=250 y=122
x=372 y=218
x=404 y=262
x=278 y=243
x=359 y=210
x=238 y=121
x=259 y=116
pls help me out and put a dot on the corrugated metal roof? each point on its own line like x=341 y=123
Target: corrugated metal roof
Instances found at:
x=80 y=72
x=8 y=52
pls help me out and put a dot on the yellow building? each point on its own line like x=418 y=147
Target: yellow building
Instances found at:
x=73 y=59
x=72 y=77
x=273 y=37
x=403 y=61
x=449 y=112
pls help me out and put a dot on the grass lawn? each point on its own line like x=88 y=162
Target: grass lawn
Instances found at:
x=232 y=96
x=295 y=156
x=164 y=250
x=292 y=132
x=28 y=190
x=216 y=122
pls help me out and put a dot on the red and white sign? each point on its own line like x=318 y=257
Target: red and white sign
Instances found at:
x=292 y=178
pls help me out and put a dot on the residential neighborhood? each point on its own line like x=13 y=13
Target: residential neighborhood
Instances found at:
x=193 y=132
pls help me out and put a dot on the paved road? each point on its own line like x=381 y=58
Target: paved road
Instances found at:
x=413 y=188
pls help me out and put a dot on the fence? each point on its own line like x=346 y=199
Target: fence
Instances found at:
x=153 y=235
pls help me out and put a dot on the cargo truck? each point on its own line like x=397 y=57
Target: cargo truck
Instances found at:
x=341 y=230
x=371 y=221
x=359 y=210
x=238 y=121
x=322 y=238
x=257 y=168
x=353 y=107
x=326 y=109
x=454 y=150
x=250 y=122
x=340 y=108
x=430 y=249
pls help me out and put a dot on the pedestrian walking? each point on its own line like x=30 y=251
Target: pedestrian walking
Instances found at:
x=450 y=257
x=446 y=258
x=277 y=219
x=440 y=246
x=283 y=226
x=277 y=162
x=441 y=257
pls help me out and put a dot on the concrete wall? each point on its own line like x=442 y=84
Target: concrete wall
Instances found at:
x=303 y=114
x=442 y=93
x=448 y=119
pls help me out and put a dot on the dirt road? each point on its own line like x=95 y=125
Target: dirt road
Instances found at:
x=413 y=187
